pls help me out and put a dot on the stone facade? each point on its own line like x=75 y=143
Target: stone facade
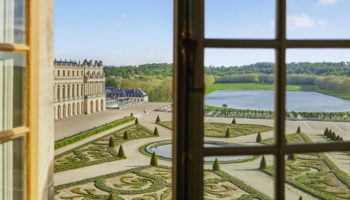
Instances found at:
x=79 y=88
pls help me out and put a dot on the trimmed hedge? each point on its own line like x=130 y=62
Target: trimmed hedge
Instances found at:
x=80 y=136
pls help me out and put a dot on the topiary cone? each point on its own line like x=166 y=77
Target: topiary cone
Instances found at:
x=258 y=138
x=298 y=130
x=154 y=160
x=263 y=163
x=111 y=142
x=156 y=132
x=216 y=165
x=136 y=121
x=111 y=197
x=300 y=198
x=157 y=119
x=121 y=152
x=291 y=157
x=126 y=135
x=227 y=134
x=233 y=121
x=325 y=133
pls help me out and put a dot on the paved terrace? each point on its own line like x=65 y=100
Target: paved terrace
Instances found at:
x=73 y=125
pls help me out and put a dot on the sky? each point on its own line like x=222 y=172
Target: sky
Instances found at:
x=141 y=31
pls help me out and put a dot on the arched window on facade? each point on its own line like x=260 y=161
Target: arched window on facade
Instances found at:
x=64 y=91
x=73 y=90
x=58 y=92
x=97 y=107
x=68 y=92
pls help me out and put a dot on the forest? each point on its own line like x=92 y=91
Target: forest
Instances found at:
x=156 y=78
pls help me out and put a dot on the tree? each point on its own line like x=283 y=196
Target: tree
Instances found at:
x=216 y=165
x=224 y=105
x=111 y=196
x=126 y=135
x=227 y=133
x=121 y=152
x=154 y=160
x=325 y=132
x=131 y=114
x=298 y=130
x=111 y=142
x=333 y=136
x=233 y=121
x=158 y=119
x=337 y=138
x=291 y=156
x=263 y=163
x=258 y=138
x=136 y=121
x=155 y=132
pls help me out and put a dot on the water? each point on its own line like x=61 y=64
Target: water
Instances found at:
x=165 y=151
x=264 y=100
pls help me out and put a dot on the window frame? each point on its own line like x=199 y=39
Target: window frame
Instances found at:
x=30 y=129
x=189 y=45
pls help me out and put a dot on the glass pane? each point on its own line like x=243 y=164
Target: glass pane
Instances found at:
x=239 y=101
x=12 y=21
x=318 y=176
x=240 y=19
x=250 y=179
x=12 y=79
x=319 y=110
x=12 y=165
x=318 y=19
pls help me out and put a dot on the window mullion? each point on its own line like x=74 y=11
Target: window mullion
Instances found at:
x=280 y=98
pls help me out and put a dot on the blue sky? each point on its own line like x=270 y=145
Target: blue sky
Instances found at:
x=141 y=31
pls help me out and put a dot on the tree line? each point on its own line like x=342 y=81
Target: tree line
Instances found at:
x=165 y=69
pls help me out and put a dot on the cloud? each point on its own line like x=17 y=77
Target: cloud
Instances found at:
x=328 y=2
x=304 y=21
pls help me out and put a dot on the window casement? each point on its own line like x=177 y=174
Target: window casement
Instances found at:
x=189 y=46
x=19 y=99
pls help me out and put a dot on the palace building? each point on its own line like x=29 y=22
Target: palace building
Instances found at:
x=79 y=88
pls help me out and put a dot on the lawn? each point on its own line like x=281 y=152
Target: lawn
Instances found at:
x=219 y=129
x=99 y=151
x=245 y=86
x=153 y=183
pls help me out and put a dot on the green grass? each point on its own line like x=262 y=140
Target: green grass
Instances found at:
x=77 y=137
x=245 y=86
x=259 y=86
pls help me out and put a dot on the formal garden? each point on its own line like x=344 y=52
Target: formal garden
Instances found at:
x=104 y=149
x=213 y=129
x=313 y=173
x=150 y=182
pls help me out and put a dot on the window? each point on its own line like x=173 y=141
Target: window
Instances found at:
x=190 y=45
x=18 y=100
